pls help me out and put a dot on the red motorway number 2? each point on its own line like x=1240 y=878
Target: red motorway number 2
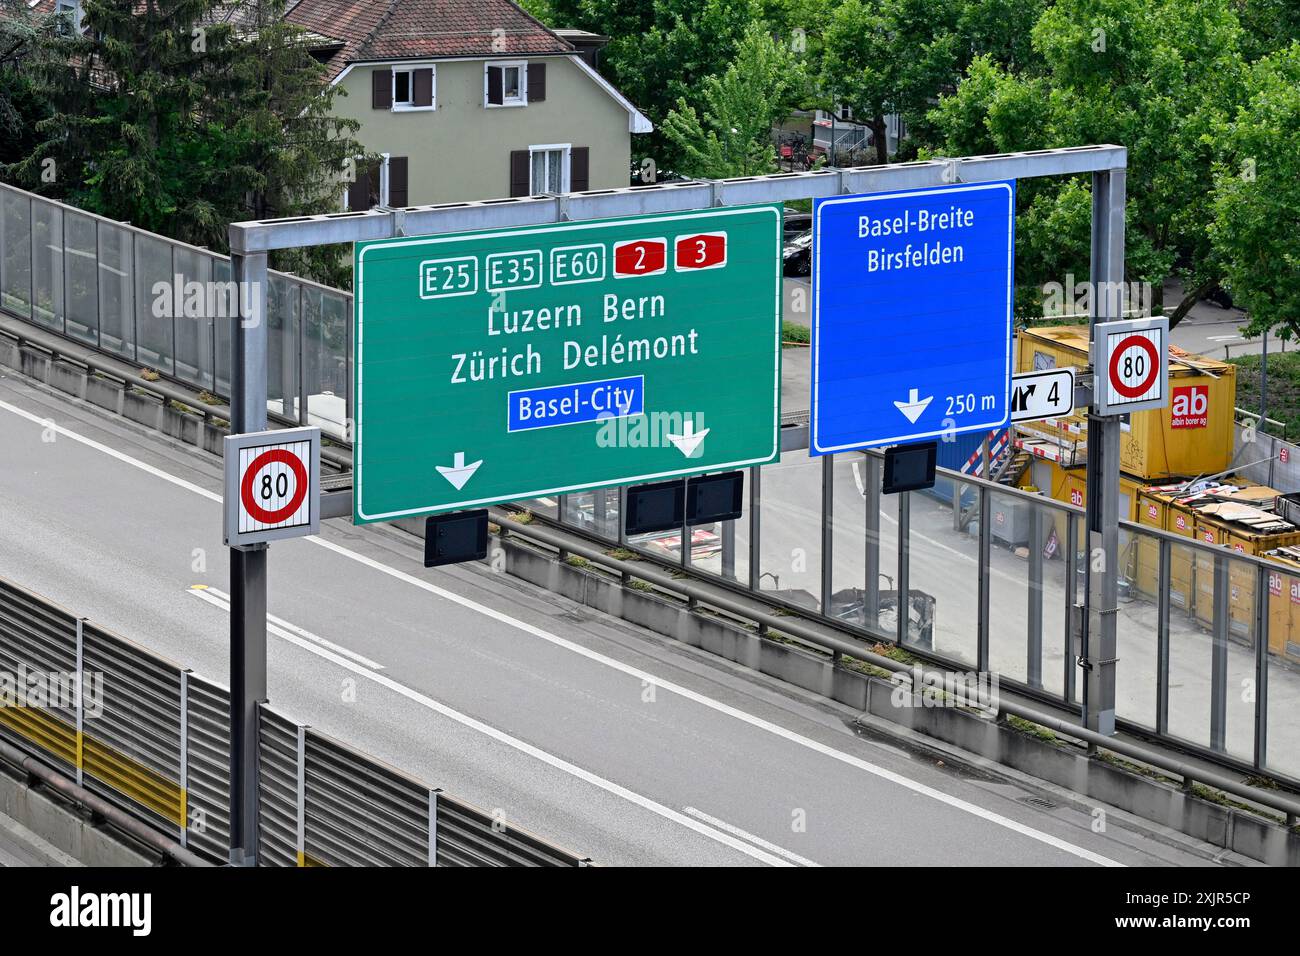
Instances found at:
x=640 y=257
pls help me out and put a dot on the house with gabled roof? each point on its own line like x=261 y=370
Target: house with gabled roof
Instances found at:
x=467 y=100
x=462 y=99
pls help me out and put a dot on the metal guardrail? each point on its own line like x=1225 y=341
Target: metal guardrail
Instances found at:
x=836 y=647
x=124 y=729
x=92 y=281
x=1223 y=613
x=65 y=350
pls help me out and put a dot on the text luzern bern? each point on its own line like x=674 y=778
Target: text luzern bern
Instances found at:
x=613 y=348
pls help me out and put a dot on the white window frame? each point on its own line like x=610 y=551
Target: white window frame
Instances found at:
x=383 y=183
x=521 y=99
x=410 y=107
x=383 y=180
x=566 y=165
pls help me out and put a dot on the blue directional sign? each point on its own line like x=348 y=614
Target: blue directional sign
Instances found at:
x=912 y=314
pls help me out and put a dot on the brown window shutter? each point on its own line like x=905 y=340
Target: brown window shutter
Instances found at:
x=364 y=192
x=381 y=89
x=397 y=181
x=536 y=82
x=424 y=87
x=519 y=170
x=359 y=193
x=496 y=96
x=579 y=169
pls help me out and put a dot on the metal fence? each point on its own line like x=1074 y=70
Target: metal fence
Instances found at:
x=153 y=739
x=168 y=307
x=990 y=575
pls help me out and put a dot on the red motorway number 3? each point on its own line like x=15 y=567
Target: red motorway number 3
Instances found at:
x=705 y=251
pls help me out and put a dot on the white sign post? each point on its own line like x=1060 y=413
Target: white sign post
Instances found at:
x=1131 y=363
x=1046 y=394
x=272 y=487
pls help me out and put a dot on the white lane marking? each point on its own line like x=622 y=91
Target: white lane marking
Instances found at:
x=1223 y=338
x=536 y=752
x=111 y=452
x=745 y=835
x=430 y=703
x=775 y=729
x=647 y=678
x=279 y=626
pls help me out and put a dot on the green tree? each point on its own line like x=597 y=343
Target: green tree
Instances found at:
x=1268 y=25
x=1001 y=31
x=181 y=124
x=733 y=134
x=882 y=57
x=22 y=104
x=1256 y=201
x=661 y=51
x=1154 y=76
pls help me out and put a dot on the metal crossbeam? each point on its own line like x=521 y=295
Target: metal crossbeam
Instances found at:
x=263 y=236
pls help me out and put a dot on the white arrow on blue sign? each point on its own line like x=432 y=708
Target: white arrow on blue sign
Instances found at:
x=912 y=314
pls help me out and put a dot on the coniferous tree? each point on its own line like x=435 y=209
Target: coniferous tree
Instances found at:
x=182 y=116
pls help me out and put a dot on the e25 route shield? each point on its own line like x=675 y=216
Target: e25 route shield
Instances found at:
x=512 y=364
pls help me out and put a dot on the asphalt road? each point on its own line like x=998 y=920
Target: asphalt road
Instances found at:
x=607 y=739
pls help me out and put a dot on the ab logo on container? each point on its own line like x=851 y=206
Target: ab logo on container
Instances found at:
x=1191 y=407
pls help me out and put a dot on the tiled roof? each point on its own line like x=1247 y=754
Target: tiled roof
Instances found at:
x=377 y=30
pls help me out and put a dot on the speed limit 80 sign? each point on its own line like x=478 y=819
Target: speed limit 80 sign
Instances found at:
x=1131 y=363
x=272 y=488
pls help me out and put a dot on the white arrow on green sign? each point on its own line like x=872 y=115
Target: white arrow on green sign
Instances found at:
x=517 y=363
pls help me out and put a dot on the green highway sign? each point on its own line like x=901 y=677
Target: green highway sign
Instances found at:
x=516 y=363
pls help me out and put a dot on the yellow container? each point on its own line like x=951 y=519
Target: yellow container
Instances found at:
x=1151 y=513
x=1193 y=435
x=1153 y=508
x=1284 y=604
x=1206 y=532
x=1180 y=520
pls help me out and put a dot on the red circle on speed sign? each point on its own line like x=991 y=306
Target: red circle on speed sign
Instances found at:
x=1153 y=365
x=272 y=457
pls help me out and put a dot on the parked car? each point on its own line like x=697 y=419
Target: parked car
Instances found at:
x=797 y=223
x=798 y=255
